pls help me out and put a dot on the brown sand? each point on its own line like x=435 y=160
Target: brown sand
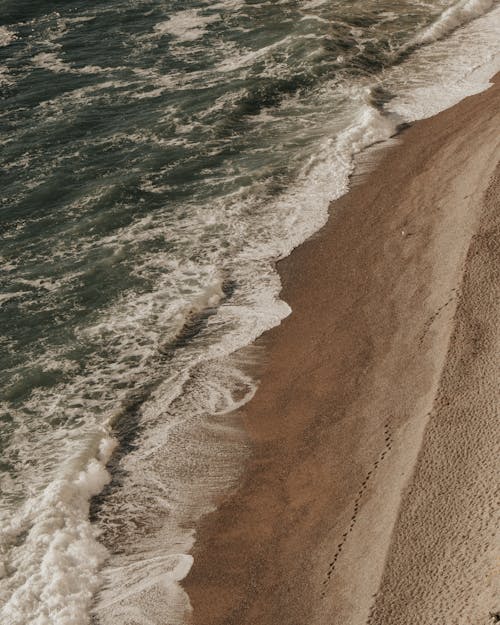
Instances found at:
x=347 y=507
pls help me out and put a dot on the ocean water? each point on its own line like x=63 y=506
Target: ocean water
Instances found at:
x=157 y=159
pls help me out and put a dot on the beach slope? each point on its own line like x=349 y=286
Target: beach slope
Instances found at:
x=368 y=494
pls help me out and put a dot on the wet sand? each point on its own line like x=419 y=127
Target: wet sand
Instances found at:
x=367 y=497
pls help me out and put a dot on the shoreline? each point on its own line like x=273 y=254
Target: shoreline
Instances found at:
x=348 y=388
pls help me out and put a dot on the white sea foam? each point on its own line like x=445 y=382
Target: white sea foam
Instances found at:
x=50 y=553
x=186 y=25
x=313 y=4
x=145 y=581
x=227 y=5
x=67 y=102
x=50 y=576
x=457 y=15
x=5 y=77
x=437 y=76
x=5 y=297
x=244 y=58
x=6 y=36
x=51 y=61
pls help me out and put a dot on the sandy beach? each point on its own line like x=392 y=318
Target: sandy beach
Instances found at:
x=369 y=493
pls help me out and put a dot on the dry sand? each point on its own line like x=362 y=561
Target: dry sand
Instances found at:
x=369 y=493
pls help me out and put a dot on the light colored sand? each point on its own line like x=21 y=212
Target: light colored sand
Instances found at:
x=444 y=561
x=348 y=389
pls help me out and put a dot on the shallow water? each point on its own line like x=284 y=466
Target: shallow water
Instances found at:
x=157 y=158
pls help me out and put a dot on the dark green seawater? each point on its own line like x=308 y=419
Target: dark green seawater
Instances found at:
x=156 y=159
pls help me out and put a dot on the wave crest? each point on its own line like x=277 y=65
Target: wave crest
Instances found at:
x=455 y=16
